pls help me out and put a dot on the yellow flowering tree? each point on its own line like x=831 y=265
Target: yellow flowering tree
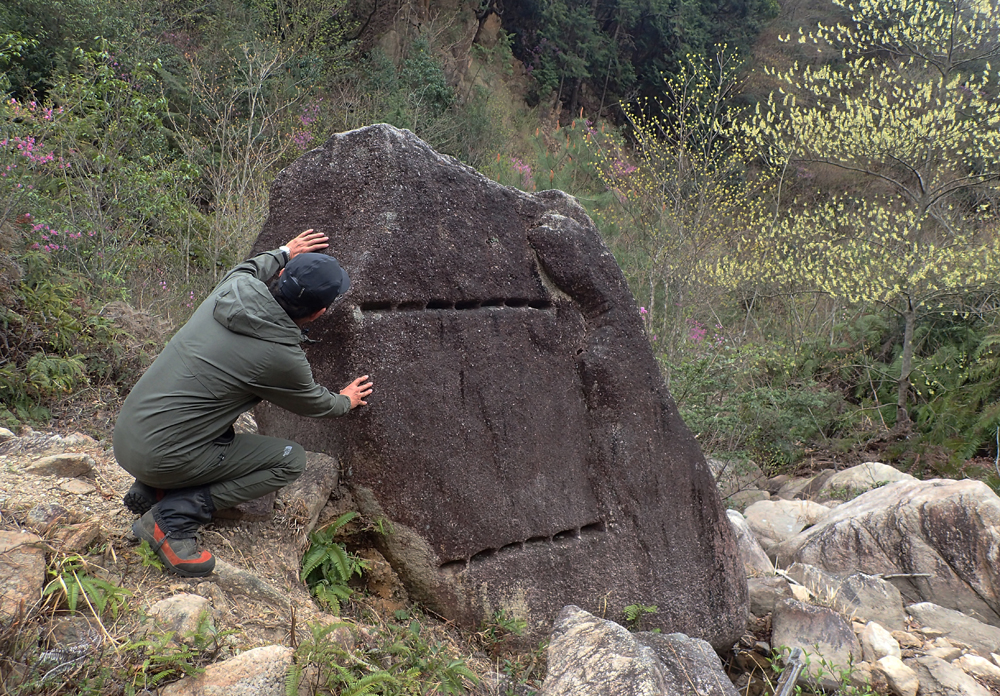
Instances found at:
x=907 y=129
x=683 y=190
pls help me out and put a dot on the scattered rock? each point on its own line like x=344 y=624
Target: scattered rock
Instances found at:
x=588 y=656
x=765 y=592
x=980 y=668
x=822 y=585
x=868 y=598
x=77 y=487
x=67 y=465
x=6 y=435
x=42 y=517
x=22 y=572
x=78 y=538
x=821 y=633
x=755 y=561
x=257 y=672
x=239 y=582
x=938 y=678
x=936 y=536
x=903 y=681
x=304 y=499
x=983 y=637
x=862 y=478
x=907 y=639
x=876 y=643
x=774 y=521
x=184 y=615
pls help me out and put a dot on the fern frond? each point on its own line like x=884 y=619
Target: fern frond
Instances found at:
x=292 y=680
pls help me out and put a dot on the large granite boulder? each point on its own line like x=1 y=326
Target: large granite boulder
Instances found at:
x=520 y=437
x=936 y=541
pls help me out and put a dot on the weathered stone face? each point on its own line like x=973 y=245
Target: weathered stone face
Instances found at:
x=520 y=437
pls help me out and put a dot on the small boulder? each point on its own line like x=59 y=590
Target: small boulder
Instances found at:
x=765 y=592
x=938 y=678
x=820 y=584
x=588 y=656
x=41 y=517
x=303 y=499
x=980 y=668
x=982 y=637
x=67 y=465
x=823 y=635
x=78 y=538
x=869 y=598
x=77 y=487
x=755 y=561
x=22 y=573
x=876 y=643
x=902 y=680
x=256 y=672
x=185 y=615
x=774 y=521
x=862 y=478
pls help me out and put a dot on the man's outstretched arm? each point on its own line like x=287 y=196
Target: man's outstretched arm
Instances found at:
x=265 y=265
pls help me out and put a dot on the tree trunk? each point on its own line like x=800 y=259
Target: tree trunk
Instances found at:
x=906 y=364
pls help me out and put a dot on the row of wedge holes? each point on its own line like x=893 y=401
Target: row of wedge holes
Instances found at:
x=415 y=306
x=558 y=538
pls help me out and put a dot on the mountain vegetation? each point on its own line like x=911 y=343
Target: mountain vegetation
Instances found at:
x=807 y=218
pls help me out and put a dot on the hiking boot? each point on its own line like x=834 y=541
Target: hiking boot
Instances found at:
x=141 y=497
x=181 y=556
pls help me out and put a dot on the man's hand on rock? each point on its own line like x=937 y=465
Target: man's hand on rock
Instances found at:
x=306 y=242
x=357 y=392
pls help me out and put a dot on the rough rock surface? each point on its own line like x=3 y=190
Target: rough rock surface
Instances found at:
x=821 y=633
x=901 y=679
x=982 y=637
x=520 y=437
x=183 y=614
x=22 y=567
x=257 y=672
x=755 y=561
x=774 y=521
x=876 y=643
x=868 y=598
x=69 y=464
x=588 y=656
x=949 y=530
x=939 y=678
x=765 y=592
x=863 y=477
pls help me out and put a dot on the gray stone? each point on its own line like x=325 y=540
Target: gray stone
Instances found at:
x=876 y=642
x=980 y=668
x=741 y=500
x=765 y=592
x=902 y=680
x=823 y=635
x=868 y=598
x=735 y=475
x=68 y=465
x=755 y=561
x=520 y=438
x=185 y=615
x=938 y=678
x=22 y=573
x=936 y=537
x=588 y=656
x=241 y=583
x=304 y=499
x=791 y=488
x=774 y=521
x=43 y=516
x=862 y=478
x=256 y=672
x=77 y=487
x=822 y=585
x=981 y=636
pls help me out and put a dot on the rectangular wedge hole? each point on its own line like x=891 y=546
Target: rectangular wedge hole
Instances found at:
x=440 y=304
x=566 y=535
x=493 y=302
x=516 y=302
x=379 y=306
x=516 y=546
x=540 y=304
x=593 y=528
x=454 y=566
x=412 y=305
x=467 y=304
x=482 y=555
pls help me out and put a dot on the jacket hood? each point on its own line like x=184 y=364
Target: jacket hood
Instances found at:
x=245 y=306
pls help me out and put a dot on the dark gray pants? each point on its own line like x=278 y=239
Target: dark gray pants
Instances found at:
x=245 y=468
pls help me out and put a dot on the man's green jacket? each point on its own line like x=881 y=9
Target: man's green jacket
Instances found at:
x=239 y=348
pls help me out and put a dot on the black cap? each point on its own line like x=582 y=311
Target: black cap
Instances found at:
x=313 y=280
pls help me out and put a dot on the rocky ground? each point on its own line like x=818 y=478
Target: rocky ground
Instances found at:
x=886 y=584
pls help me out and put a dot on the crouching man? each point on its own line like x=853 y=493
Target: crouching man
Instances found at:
x=175 y=430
